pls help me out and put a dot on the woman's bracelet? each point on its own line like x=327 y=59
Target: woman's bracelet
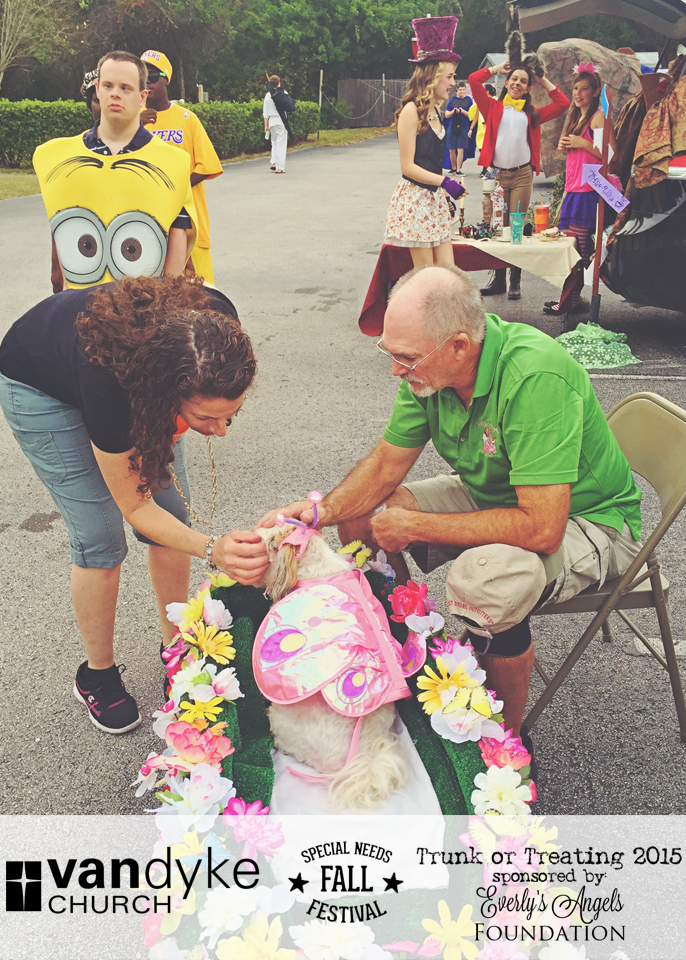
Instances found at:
x=207 y=559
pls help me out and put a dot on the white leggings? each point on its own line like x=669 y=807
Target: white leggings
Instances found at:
x=279 y=136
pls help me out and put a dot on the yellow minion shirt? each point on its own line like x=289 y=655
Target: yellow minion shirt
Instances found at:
x=180 y=127
x=110 y=216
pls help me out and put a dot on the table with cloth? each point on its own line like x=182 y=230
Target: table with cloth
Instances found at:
x=555 y=261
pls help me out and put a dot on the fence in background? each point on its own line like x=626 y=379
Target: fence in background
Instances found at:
x=373 y=102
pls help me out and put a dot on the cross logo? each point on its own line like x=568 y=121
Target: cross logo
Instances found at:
x=23 y=886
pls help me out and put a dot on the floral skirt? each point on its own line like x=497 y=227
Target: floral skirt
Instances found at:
x=417 y=217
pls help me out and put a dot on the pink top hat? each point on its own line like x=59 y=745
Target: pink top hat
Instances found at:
x=435 y=39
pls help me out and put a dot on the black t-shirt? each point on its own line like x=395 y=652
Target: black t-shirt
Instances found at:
x=42 y=349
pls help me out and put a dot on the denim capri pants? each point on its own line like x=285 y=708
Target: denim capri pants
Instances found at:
x=53 y=436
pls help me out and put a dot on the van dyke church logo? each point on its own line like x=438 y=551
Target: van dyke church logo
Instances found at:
x=23 y=886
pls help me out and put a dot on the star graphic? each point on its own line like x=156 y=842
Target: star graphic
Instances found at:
x=297 y=883
x=392 y=883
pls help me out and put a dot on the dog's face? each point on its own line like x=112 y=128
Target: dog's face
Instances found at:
x=282 y=574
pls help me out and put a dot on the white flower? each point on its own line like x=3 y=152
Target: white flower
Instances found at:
x=321 y=940
x=194 y=674
x=425 y=626
x=381 y=565
x=224 y=911
x=175 y=612
x=201 y=797
x=164 y=717
x=226 y=685
x=216 y=614
x=147 y=777
x=167 y=950
x=501 y=790
x=465 y=723
x=562 y=951
x=462 y=656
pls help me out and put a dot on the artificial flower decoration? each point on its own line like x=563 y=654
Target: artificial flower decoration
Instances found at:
x=381 y=565
x=211 y=642
x=452 y=934
x=425 y=627
x=470 y=714
x=258 y=832
x=185 y=614
x=195 y=746
x=351 y=547
x=505 y=753
x=147 y=777
x=408 y=599
x=182 y=903
x=260 y=941
x=226 y=685
x=215 y=613
x=175 y=651
x=321 y=940
x=199 y=714
x=500 y=790
x=435 y=686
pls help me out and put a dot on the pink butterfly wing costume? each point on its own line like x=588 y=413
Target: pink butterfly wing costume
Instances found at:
x=331 y=635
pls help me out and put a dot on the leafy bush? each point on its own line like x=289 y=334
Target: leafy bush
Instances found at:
x=233 y=128
x=336 y=114
x=26 y=123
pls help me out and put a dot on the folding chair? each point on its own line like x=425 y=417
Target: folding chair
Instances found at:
x=651 y=432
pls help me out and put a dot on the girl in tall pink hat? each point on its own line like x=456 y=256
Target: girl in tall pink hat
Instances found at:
x=418 y=216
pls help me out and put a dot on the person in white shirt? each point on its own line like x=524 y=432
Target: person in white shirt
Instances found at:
x=275 y=126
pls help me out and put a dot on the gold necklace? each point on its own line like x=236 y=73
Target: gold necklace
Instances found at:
x=179 y=488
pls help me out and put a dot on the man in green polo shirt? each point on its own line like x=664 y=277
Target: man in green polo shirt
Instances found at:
x=541 y=502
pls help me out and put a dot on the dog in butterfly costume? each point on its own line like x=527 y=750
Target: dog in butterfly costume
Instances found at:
x=110 y=216
x=325 y=658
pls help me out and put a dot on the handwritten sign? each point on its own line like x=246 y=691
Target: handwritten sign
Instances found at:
x=612 y=197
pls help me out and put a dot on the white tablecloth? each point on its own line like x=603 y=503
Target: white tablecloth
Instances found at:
x=552 y=261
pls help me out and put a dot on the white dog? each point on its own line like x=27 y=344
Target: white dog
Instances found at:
x=316 y=672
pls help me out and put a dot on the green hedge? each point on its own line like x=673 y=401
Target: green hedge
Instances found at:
x=233 y=128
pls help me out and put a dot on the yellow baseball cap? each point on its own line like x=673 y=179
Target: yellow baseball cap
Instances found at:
x=157 y=59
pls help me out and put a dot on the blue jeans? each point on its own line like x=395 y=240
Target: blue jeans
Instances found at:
x=53 y=436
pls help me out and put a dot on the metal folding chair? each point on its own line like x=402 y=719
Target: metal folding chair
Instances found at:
x=651 y=432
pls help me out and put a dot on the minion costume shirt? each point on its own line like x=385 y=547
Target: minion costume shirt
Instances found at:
x=110 y=216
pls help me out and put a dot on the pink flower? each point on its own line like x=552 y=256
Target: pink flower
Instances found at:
x=226 y=684
x=408 y=599
x=173 y=653
x=442 y=647
x=173 y=669
x=151 y=924
x=250 y=823
x=431 y=948
x=407 y=945
x=196 y=747
x=534 y=791
x=509 y=753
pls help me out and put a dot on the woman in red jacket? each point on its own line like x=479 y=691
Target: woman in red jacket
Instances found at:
x=512 y=141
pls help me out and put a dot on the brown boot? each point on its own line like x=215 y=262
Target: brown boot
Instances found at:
x=514 y=293
x=498 y=283
x=509 y=677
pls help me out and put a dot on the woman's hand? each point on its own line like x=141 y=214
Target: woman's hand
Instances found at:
x=503 y=69
x=243 y=556
x=572 y=142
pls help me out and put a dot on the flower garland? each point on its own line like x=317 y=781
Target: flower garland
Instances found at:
x=240 y=924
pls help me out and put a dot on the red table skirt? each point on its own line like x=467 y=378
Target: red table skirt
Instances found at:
x=394 y=262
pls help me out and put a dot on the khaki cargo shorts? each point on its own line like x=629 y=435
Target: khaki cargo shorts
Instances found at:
x=496 y=585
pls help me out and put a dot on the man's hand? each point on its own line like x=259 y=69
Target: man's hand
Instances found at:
x=243 y=556
x=148 y=116
x=301 y=510
x=390 y=529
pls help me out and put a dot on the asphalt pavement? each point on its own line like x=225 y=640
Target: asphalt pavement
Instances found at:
x=296 y=254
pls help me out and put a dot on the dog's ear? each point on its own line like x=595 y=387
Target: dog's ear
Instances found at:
x=282 y=575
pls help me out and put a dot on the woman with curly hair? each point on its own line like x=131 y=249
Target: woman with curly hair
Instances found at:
x=418 y=216
x=99 y=386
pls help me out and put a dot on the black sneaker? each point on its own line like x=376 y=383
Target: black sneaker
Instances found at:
x=110 y=707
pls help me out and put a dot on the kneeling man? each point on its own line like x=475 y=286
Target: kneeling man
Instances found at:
x=540 y=502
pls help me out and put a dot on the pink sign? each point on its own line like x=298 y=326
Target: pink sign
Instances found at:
x=592 y=176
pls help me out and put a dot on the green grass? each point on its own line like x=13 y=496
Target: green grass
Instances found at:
x=17 y=183
x=21 y=183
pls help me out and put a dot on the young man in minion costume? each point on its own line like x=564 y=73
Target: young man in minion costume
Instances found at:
x=175 y=125
x=119 y=202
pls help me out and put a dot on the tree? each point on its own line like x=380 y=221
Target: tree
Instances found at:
x=26 y=30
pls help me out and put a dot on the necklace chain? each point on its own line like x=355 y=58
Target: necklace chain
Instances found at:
x=179 y=489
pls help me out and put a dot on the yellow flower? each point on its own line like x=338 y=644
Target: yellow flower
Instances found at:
x=193 y=610
x=213 y=642
x=451 y=933
x=350 y=547
x=260 y=941
x=191 y=847
x=202 y=712
x=221 y=579
x=434 y=686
